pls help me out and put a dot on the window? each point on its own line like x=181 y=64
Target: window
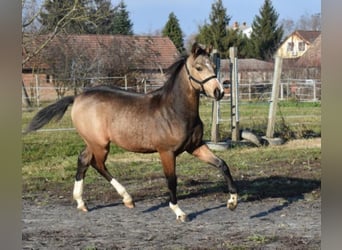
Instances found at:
x=290 y=46
x=301 y=46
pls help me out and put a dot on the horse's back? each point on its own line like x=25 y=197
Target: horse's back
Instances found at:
x=104 y=115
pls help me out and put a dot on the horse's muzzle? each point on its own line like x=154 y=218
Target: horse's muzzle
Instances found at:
x=218 y=94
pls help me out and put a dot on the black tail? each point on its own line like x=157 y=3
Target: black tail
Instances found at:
x=44 y=116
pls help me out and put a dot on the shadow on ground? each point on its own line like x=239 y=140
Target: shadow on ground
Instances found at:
x=289 y=188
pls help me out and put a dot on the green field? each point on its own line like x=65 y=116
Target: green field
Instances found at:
x=294 y=119
x=49 y=157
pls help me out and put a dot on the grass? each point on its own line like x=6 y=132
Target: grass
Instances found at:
x=294 y=119
x=49 y=158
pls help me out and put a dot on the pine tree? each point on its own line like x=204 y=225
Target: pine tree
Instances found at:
x=54 y=10
x=121 y=21
x=219 y=22
x=89 y=17
x=101 y=15
x=266 y=35
x=174 y=32
x=215 y=33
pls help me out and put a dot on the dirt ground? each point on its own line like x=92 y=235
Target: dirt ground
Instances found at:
x=261 y=221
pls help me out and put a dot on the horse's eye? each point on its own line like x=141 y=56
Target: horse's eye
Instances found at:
x=199 y=68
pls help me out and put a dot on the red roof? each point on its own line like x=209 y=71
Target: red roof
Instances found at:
x=249 y=64
x=312 y=57
x=144 y=52
x=308 y=35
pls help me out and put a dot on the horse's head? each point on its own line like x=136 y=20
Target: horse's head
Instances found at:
x=201 y=72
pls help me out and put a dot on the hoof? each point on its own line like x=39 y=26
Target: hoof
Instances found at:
x=82 y=208
x=182 y=218
x=232 y=202
x=129 y=204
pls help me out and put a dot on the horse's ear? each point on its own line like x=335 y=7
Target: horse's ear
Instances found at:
x=197 y=49
x=209 y=49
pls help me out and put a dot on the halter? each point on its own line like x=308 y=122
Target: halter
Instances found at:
x=198 y=81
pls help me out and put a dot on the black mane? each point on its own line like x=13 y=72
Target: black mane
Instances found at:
x=172 y=73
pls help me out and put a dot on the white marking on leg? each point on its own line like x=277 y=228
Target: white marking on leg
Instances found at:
x=232 y=201
x=179 y=213
x=127 y=199
x=77 y=194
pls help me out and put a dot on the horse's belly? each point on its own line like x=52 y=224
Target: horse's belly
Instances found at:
x=133 y=140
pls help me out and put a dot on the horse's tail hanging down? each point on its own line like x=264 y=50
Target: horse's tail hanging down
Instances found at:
x=53 y=111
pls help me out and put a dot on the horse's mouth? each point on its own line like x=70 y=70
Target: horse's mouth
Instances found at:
x=218 y=94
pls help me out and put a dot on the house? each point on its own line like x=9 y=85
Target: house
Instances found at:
x=296 y=44
x=244 y=28
x=308 y=66
x=85 y=58
x=312 y=57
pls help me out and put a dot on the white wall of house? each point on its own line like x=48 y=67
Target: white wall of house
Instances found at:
x=293 y=47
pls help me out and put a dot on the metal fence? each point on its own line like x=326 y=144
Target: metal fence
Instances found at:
x=44 y=91
x=251 y=95
x=290 y=89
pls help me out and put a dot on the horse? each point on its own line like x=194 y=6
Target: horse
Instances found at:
x=165 y=120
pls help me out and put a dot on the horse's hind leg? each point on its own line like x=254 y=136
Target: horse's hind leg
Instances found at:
x=205 y=154
x=98 y=162
x=82 y=165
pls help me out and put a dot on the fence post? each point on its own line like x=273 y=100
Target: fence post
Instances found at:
x=214 y=123
x=37 y=90
x=281 y=91
x=249 y=91
x=234 y=94
x=274 y=97
x=126 y=87
x=215 y=104
x=145 y=87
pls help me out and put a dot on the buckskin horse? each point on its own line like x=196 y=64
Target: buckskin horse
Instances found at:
x=165 y=120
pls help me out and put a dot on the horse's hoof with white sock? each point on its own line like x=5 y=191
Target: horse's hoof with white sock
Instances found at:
x=129 y=203
x=232 y=201
x=182 y=218
x=82 y=208
x=180 y=215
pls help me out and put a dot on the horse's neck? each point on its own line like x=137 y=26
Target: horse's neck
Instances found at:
x=184 y=95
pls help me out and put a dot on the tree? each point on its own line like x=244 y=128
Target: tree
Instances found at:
x=218 y=33
x=29 y=16
x=121 y=22
x=215 y=33
x=31 y=29
x=288 y=26
x=266 y=35
x=101 y=19
x=55 y=10
x=89 y=17
x=305 y=22
x=173 y=31
x=309 y=22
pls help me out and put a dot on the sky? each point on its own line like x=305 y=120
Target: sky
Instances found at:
x=151 y=15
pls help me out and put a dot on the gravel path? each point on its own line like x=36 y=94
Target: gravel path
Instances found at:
x=267 y=224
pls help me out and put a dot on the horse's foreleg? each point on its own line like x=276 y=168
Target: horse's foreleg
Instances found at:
x=82 y=166
x=206 y=155
x=169 y=167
